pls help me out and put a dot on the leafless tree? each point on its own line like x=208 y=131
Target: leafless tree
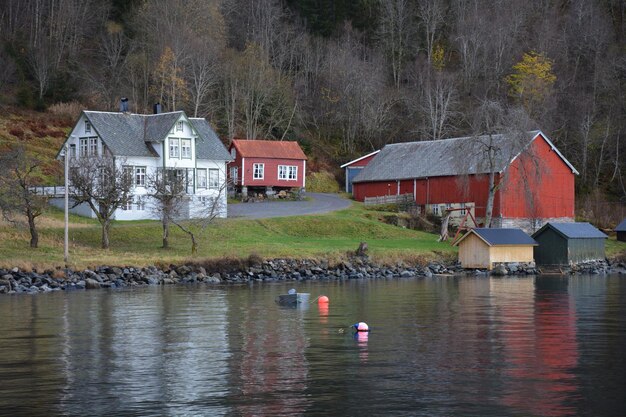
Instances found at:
x=432 y=15
x=438 y=103
x=395 y=32
x=167 y=188
x=19 y=174
x=102 y=183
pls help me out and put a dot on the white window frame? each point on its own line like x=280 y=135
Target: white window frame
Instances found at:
x=174 y=146
x=234 y=174
x=93 y=146
x=141 y=204
x=179 y=126
x=185 y=151
x=83 y=147
x=258 y=171
x=128 y=205
x=202 y=178
x=435 y=209
x=87 y=126
x=462 y=211
x=139 y=177
x=72 y=151
x=292 y=173
x=214 y=179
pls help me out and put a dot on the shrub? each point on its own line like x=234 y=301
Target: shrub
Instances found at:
x=70 y=110
x=17 y=132
x=322 y=182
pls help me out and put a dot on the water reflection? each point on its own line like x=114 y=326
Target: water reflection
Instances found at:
x=538 y=328
x=439 y=347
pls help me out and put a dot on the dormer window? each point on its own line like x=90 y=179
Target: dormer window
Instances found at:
x=179 y=126
x=87 y=126
x=233 y=153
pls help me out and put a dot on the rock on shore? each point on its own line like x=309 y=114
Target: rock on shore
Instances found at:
x=16 y=281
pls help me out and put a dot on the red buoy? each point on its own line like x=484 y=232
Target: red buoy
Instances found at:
x=322 y=300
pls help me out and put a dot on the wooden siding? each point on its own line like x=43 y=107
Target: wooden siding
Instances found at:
x=270 y=176
x=539 y=185
x=584 y=250
x=474 y=253
x=514 y=253
x=555 y=249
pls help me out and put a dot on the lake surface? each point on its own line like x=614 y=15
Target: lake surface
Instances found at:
x=544 y=346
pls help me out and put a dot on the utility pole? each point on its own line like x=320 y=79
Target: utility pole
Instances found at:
x=66 y=254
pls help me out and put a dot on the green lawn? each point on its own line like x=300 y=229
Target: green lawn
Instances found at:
x=138 y=243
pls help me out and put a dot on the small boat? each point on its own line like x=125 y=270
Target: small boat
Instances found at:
x=293 y=298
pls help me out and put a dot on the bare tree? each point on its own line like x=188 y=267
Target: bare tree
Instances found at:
x=438 y=103
x=102 y=183
x=173 y=205
x=395 y=31
x=432 y=14
x=19 y=173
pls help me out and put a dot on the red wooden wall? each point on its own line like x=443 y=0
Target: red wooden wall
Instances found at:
x=270 y=177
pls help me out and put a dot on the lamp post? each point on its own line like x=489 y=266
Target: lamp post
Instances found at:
x=66 y=255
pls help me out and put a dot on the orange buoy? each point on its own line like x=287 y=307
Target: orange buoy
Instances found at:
x=322 y=300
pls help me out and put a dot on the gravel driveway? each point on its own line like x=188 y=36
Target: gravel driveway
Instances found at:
x=318 y=203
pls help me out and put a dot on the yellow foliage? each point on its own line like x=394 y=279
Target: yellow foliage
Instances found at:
x=171 y=86
x=438 y=57
x=532 y=79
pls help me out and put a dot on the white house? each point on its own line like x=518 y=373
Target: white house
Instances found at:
x=145 y=143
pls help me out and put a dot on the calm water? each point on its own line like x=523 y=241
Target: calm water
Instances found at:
x=449 y=347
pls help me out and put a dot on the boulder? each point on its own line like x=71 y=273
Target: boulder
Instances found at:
x=499 y=270
x=91 y=284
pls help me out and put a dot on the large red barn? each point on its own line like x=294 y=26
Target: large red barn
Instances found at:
x=266 y=165
x=536 y=182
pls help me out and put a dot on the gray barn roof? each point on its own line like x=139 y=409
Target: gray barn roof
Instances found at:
x=580 y=230
x=133 y=134
x=447 y=157
x=621 y=227
x=496 y=237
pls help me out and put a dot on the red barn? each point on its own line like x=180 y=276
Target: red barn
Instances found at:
x=535 y=181
x=266 y=165
x=353 y=168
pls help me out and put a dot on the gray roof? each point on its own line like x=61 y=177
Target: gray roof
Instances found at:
x=580 y=230
x=447 y=157
x=496 y=237
x=209 y=146
x=133 y=134
x=621 y=227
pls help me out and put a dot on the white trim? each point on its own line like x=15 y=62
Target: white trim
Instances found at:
x=359 y=159
x=243 y=171
x=304 y=174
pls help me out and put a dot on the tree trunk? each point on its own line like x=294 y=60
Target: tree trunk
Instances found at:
x=194 y=245
x=105 y=234
x=34 y=236
x=490 y=198
x=166 y=234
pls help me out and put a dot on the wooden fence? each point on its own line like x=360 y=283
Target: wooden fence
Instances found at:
x=402 y=199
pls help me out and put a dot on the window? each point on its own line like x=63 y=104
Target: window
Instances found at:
x=141 y=204
x=174 y=148
x=234 y=174
x=435 y=209
x=463 y=209
x=233 y=152
x=257 y=171
x=87 y=126
x=214 y=178
x=84 y=146
x=185 y=148
x=93 y=146
x=128 y=204
x=201 y=174
x=179 y=126
x=140 y=176
x=73 y=151
x=287 y=172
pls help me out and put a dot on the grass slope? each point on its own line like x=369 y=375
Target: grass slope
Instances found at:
x=138 y=243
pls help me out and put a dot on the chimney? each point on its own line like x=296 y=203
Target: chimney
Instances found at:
x=124 y=105
x=156 y=109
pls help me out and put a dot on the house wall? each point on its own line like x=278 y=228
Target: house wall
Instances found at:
x=621 y=236
x=552 y=249
x=584 y=250
x=175 y=136
x=474 y=253
x=513 y=253
x=270 y=177
x=539 y=186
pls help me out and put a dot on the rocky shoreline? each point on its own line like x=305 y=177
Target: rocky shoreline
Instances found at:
x=16 y=281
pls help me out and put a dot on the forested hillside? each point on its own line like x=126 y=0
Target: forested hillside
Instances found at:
x=343 y=77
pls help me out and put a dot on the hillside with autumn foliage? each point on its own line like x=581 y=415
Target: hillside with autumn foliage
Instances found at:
x=341 y=77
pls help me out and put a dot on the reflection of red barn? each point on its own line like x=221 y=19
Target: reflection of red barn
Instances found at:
x=537 y=182
x=264 y=164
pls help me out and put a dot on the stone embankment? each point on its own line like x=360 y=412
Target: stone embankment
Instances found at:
x=16 y=281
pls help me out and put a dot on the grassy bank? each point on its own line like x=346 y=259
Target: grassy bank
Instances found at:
x=138 y=243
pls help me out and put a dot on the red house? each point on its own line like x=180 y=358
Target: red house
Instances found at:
x=266 y=165
x=353 y=168
x=535 y=181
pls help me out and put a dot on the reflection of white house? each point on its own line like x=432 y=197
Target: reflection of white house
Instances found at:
x=145 y=143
